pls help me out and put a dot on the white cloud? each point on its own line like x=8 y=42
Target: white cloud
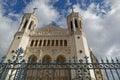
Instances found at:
x=102 y=32
x=7 y=30
x=46 y=12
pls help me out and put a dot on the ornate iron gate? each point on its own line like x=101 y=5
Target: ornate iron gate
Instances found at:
x=20 y=70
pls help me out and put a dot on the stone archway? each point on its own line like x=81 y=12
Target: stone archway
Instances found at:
x=62 y=74
x=61 y=59
x=46 y=59
x=32 y=59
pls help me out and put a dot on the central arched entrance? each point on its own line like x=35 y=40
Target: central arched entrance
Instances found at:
x=46 y=59
x=61 y=59
x=63 y=73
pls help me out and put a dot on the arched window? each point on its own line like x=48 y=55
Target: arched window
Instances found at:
x=60 y=59
x=61 y=42
x=40 y=43
x=76 y=24
x=44 y=44
x=31 y=23
x=71 y=25
x=32 y=59
x=46 y=59
x=48 y=44
x=56 y=42
x=25 y=24
x=36 y=42
x=65 y=42
x=52 y=42
x=32 y=42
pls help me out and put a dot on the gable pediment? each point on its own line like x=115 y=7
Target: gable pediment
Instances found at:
x=51 y=30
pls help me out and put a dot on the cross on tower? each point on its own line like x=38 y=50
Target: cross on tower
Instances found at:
x=34 y=9
x=73 y=9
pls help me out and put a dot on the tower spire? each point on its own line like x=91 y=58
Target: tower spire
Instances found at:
x=34 y=9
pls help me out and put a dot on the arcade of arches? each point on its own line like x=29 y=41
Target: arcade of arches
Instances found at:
x=47 y=74
x=47 y=59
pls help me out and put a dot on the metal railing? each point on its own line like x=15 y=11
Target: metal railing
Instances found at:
x=69 y=70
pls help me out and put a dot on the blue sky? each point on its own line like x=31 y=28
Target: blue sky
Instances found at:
x=17 y=6
x=100 y=20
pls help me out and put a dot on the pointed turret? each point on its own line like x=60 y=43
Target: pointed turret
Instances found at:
x=22 y=36
x=29 y=22
x=74 y=22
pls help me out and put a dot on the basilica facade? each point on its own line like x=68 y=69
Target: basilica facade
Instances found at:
x=51 y=43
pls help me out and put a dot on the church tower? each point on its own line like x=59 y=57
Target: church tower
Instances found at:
x=21 y=38
x=79 y=47
x=76 y=30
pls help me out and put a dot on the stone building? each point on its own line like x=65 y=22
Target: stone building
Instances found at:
x=52 y=43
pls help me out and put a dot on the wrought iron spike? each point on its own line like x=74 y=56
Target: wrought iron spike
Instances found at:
x=117 y=60
x=86 y=57
x=23 y=61
x=21 y=50
x=16 y=52
x=112 y=60
x=107 y=59
x=81 y=61
x=102 y=60
x=74 y=58
x=9 y=61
